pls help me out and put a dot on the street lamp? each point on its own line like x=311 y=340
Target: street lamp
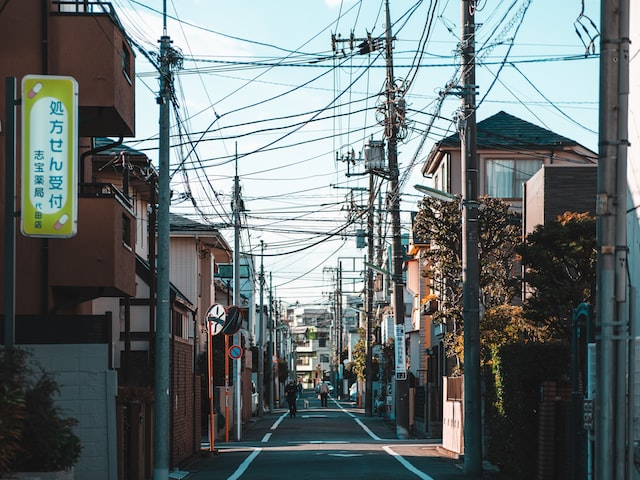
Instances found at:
x=435 y=193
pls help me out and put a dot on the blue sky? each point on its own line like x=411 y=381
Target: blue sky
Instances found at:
x=260 y=79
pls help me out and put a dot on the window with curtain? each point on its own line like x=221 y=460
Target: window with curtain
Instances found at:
x=504 y=177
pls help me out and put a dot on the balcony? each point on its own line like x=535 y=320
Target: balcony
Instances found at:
x=81 y=39
x=100 y=260
x=89 y=44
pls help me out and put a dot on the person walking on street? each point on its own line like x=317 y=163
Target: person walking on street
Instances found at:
x=324 y=393
x=291 y=392
x=299 y=389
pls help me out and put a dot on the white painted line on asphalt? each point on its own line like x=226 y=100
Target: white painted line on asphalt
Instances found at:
x=366 y=429
x=277 y=422
x=406 y=464
x=244 y=465
x=359 y=422
x=325 y=441
x=266 y=437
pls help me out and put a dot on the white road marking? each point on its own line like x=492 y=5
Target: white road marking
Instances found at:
x=366 y=429
x=359 y=422
x=406 y=464
x=388 y=448
x=244 y=465
x=277 y=422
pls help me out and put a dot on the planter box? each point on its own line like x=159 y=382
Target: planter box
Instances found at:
x=61 y=475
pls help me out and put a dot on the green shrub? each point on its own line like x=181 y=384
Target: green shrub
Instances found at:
x=513 y=397
x=34 y=434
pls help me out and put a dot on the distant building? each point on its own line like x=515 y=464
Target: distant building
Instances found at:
x=310 y=329
x=556 y=189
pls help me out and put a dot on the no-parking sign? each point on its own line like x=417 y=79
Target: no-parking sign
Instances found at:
x=235 y=352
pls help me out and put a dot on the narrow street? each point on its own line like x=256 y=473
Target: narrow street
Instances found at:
x=336 y=442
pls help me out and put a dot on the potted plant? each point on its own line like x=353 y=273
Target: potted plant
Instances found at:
x=34 y=434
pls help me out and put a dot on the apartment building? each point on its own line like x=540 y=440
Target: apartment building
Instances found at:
x=84 y=302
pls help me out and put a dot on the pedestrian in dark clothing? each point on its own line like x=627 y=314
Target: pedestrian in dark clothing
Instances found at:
x=291 y=392
x=324 y=393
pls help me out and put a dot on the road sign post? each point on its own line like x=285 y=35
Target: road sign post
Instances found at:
x=216 y=317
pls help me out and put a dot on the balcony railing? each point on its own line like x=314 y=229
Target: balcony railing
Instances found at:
x=105 y=190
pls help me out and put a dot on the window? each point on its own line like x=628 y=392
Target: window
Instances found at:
x=73 y=6
x=126 y=231
x=504 y=178
x=126 y=62
x=180 y=324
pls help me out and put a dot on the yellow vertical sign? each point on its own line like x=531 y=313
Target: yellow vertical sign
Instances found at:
x=49 y=156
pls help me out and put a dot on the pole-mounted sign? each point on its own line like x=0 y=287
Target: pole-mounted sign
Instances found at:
x=401 y=356
x=235 y=352
x=49 y=156
x=216 y=318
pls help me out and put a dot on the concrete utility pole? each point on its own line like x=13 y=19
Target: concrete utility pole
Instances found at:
x=162 y=414
x=339 y=327
x=393 y=204
x=261 y=335
x=237 y=340
x=470 y=260
x=368 y=399
x=613 y=418
x=270 y=349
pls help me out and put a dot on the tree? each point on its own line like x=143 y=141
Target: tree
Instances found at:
x=499 y=233
x=35 y=435
x=359 y=355
x=559 y=260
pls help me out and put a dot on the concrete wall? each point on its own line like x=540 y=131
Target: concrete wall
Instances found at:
x=452 y=419
x=88 y=393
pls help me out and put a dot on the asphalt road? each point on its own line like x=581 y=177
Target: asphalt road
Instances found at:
x=337 y=442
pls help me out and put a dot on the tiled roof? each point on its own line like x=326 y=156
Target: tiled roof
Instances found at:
x=104 y=141
x=506 y=131
x=179 y=223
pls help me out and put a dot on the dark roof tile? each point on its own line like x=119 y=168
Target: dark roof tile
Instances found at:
x=506 y=131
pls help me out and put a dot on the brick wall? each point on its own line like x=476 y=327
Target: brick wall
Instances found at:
x=184 y=404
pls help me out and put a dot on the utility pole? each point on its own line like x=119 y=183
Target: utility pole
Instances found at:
x=270 y=349
x=613 y=419
x=368 y=399
x=262 y=335
x=393 y=204
x=162 y=413
x=339 y=326
x=470 y=260
x=237 y=378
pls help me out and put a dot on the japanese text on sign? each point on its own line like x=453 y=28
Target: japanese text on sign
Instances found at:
x=49 y=156
x=401 y=357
